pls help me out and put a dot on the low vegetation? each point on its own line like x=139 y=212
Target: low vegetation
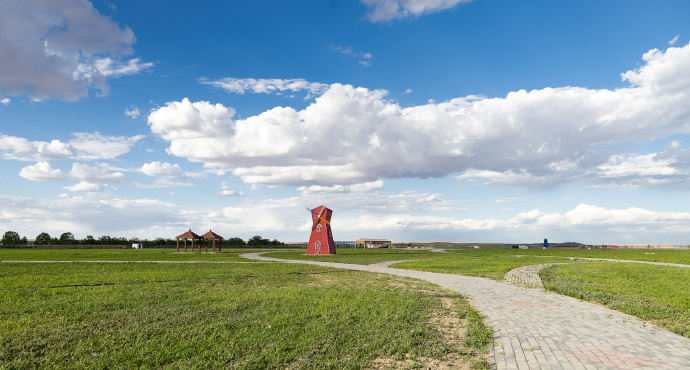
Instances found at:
x=681 y=256
x=658 y=294
x=272 y=315
x=227 y=255
x=253 y=315
x=489 y=265
x=356 y=256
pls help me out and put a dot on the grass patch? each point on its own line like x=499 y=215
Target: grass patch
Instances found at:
x=658 y=294
x=681 y=256
x=356 y=256
x=489 y=265
x=212 y=316
x=227 y=255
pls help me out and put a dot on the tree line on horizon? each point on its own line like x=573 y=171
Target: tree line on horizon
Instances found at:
x=12 y=238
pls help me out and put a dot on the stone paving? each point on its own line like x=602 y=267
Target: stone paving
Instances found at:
x=527 y=276
x=535 y=329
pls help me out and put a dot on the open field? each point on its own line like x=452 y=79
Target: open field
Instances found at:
x=356 y=256
x=227 y=255
x=488 y=263
x=681 y=256
x=258 y=315
x=659 y=294
x=491 y=263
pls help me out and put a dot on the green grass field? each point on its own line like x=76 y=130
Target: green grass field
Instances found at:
x=227 y=255
x=256 y=315
x=272 y=315
x=681 y=256
x=659 y=294
x=358 y=256
x=490 y=263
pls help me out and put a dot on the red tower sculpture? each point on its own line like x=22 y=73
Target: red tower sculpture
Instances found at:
x=321 y=239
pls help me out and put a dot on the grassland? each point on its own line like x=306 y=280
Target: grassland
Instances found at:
x=489 y=263
x=356 y=256
x=681 y=256
x=269 y=315
x=227 y=255
x=258 y=315
x=659 y=294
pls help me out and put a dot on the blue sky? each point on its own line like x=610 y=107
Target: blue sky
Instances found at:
x=469 y=121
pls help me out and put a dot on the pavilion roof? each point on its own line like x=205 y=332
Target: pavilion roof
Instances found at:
x=211 y=235
x=188 y=235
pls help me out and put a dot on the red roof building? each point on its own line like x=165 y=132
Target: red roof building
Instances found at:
x=187 y=236
x=210 y=235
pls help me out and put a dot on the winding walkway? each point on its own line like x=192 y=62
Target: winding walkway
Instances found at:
x=535 y=329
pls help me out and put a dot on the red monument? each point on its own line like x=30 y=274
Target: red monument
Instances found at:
x=321 y=239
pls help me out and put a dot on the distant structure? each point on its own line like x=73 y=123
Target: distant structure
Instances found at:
x=373 y=243
x=321 y=239
x=187 y=236
x=190 y=235
x=210 y=235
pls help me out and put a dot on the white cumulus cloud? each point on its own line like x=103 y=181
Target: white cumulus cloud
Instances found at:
x=162 y=169
x=93 y=213
x=110 y=67
x=355 y=188
x=92 y=178
x=134 y=112
x=353 y=135
x=85 y=146
x=96 y=146
x=41 y=171
x=5 y=101
x=230 y=193
x=266 y=86
x=17 y=148
x=61 y=49
x=386 y=10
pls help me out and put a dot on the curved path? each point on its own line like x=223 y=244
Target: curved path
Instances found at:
x=535 y=329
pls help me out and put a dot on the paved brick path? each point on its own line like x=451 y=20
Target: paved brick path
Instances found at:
x=535 y=329
x=527 y=276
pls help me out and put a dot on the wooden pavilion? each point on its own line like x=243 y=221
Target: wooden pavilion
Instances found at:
x=210 y=235
x=187 y=236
